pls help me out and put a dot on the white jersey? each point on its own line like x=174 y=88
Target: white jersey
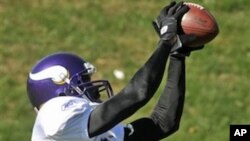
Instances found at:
x=66 y=119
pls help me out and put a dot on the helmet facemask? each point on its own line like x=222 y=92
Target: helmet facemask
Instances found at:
x=80 y=85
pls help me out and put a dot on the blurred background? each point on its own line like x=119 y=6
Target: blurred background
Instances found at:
x=117 y=35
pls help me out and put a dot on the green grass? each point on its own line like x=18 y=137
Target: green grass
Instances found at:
x=118 y=34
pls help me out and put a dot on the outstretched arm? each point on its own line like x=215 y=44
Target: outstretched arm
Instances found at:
x=166 y=116
x=147 y=79
x=168 y=112
x=138 y=92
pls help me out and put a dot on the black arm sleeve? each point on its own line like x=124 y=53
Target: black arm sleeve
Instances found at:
x=137 y=93
x=166 y=116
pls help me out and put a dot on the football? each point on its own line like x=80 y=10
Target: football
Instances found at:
x=200 y=22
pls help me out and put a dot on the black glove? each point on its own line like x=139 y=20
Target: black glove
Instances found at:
x=186 y=50
x=166 y=23
x=162 y=14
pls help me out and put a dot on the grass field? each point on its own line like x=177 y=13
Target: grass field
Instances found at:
x=118 y=35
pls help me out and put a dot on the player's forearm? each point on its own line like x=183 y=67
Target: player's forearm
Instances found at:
x=168 y=111
x=139 y=90
x=148 y=78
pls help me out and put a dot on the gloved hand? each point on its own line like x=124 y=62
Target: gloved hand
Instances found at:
x=161 y=17
x=166 y=24
x=185 y=50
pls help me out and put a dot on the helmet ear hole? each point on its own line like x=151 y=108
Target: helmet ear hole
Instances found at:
x=79 y=82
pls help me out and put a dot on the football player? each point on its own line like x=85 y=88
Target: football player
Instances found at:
x=69 y=104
